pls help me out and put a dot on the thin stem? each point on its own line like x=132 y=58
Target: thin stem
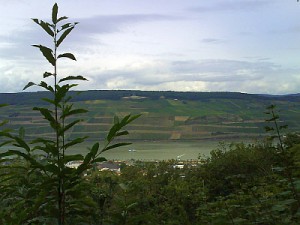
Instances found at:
x=288 y=170
x=278 y=132
x=61 y=216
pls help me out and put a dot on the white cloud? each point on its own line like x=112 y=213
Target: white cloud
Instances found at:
x=206 y=75
x=161 y=45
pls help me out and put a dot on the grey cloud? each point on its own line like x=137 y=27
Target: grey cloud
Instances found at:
x=288 y=30
x=213 y=74
x=220 y=66
x=113 y=23
x=211 y=40
x=16 y=44
x=241 y=5
x=19 y=41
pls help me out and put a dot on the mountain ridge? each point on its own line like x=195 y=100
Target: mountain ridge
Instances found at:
x=34 y=97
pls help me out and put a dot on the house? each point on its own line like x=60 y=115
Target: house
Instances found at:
x=74 y=164
x=109 y=166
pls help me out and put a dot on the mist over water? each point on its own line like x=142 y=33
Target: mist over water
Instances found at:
x=159 y=150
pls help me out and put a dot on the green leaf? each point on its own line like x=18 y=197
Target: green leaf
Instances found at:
x=7 y=153
x=71 y=85
x=42 y=140
x=273 y=118
x=36 y=21
x=47 y=74
x=112 y=132
x=128 y=119
x=72 y=78
x=5 y=134
x=4 y=178
x=297 y=184
x=64 y=35
x=73 y=112
x=132 y=205
x=119 y=125
x=83 y=167
x=67 y=55
x=46 y=26
x=46 y=86
x=54 y=13
x=132 y=118
x=3 y=122
x=283 y=127
x=67 y=99
x=74 y=142
x=21 y=143
x=52 y=169
x=267 y=128
x=5 y=143
x=122 y=133
x=278 y=207
x=47 y=52
x=288 y=201
x=48 y=148
x=25 y=156
x=87 y=158
x=62 y=18
x=47 y=115
x=67 y=127
x=61 y=92
x=21 y=132
x=65 y=26
x=271 y=107
x=29 y=85
x=95 y=149
x=124 y=120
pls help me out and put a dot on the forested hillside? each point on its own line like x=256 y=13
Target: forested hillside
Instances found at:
x=35 y=97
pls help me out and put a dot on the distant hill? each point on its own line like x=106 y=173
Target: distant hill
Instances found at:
x=34 y=97
x=166 y=115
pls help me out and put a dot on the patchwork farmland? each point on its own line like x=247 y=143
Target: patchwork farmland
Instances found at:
x=163 y=117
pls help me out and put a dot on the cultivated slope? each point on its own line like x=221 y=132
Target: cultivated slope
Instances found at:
x=165 y=115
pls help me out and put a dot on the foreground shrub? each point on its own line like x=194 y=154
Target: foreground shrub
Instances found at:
x=47 y=191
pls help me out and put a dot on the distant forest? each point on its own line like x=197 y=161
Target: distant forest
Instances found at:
x=35 y=97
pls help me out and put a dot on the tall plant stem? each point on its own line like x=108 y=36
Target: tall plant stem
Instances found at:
x=60 y=189
x=278 y=132
x=287 y=170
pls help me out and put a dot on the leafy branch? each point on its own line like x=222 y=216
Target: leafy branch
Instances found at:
x=56 y=180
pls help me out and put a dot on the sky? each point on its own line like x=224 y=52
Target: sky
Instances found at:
x=249 y=46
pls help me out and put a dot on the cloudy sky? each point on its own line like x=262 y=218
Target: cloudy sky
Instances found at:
x=250 y=46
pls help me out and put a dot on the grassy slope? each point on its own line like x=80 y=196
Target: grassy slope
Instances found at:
x=166 y=118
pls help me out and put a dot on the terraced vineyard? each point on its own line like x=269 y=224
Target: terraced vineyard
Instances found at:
x=163 y=118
